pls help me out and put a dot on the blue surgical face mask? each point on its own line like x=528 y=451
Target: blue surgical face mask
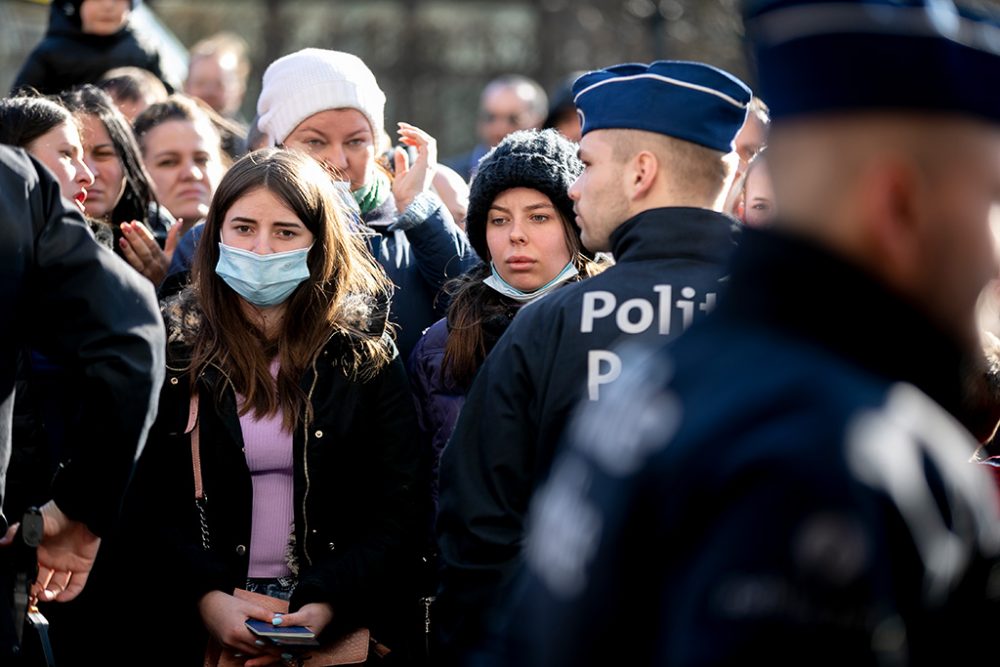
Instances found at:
x=496 y=281
x=263 y=280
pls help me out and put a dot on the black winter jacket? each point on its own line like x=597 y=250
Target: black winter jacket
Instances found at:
x=360 y=497
x=84 y=308
x=64 y=295
x=784 y=485
x=68 y=57
x=669 y=263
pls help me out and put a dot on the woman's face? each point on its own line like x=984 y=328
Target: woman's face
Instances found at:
x=526 y=238
x=759 y=209
x=341 y=138
x=60 y=150
x=262 y=223
x=183 y=159
x=103 y=161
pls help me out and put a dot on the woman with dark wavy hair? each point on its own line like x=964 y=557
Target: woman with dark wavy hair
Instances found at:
x=520 y=220
x=122 y=194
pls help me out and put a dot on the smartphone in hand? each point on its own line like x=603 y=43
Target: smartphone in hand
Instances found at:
x=281 y=635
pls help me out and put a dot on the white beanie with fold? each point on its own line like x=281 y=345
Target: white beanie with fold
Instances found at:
x=306 y=82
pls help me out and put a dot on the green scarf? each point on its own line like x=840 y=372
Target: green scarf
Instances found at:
x=371 y=196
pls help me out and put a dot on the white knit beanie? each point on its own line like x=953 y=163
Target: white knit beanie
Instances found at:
x=306 y=82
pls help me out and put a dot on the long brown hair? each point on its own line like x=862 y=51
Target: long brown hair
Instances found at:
x=477 y=312
x=138 y=196
x=347 y=292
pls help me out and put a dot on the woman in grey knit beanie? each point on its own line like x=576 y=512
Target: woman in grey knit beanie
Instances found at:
x=520 y=221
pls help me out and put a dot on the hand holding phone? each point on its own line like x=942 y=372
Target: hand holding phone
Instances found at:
x=281 y=635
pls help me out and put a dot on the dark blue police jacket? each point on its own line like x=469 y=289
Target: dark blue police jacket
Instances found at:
x=787 y=484
x=669 y=264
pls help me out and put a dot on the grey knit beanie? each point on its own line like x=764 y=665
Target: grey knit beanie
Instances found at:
x=541 y=160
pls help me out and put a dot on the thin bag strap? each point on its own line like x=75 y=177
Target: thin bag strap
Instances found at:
x=192 y=428
x=199 y=490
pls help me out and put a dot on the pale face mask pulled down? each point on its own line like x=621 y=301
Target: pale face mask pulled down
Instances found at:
x=263 y=280
x=496 y=281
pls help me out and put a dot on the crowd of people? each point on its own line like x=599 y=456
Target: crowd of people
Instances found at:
x=664 y=370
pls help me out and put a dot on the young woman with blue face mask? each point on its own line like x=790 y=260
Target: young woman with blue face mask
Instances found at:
x=520 y=220
x=280 y=352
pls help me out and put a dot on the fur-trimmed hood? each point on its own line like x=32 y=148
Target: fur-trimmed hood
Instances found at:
x=183 y=316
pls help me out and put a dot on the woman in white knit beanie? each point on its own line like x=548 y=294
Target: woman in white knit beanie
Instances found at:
x=329 y=104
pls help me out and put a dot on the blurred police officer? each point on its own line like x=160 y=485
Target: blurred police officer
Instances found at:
x=657 y=149
x=789 y=483
x=83 y=307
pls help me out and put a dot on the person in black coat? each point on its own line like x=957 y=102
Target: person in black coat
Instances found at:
x=790 y=483
x=287 y=402
x=655 y=174
x=85 y=39
x=53 y=283
x=47 y=403
x=45 y=396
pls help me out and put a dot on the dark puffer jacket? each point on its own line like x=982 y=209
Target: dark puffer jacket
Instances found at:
x=68 y=57
x=439 y=400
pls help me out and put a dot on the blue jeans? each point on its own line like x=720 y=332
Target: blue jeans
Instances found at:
x=280 y=588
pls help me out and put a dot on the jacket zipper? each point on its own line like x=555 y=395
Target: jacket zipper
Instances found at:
x=305 y=455
x=305 y=467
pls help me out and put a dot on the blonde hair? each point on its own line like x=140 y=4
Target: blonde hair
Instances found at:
x=703 y=172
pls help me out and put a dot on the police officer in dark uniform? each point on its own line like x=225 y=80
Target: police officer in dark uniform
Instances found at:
x=85 y=308
x=657 y=143
x=790 y=482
